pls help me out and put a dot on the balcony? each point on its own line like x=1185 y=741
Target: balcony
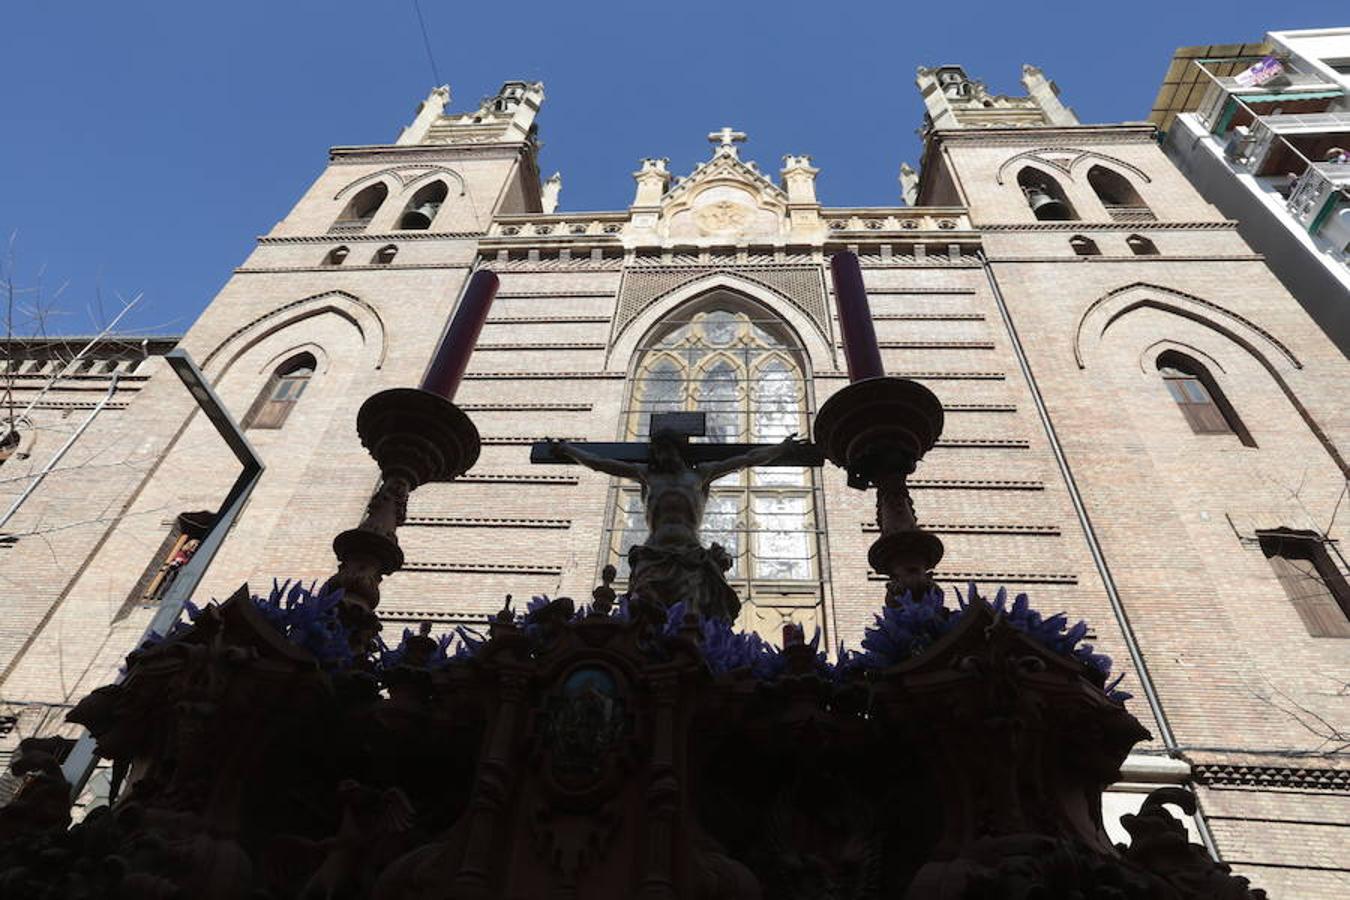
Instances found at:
x=1226 y=105
x=1318 y=193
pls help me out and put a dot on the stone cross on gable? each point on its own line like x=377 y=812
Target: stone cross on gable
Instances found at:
x=727 y=139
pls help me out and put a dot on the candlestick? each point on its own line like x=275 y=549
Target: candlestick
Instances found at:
x=452 y=356
x=855 y=318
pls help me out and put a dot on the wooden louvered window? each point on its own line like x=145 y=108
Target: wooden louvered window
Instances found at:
x=282 y=391
x=1198 y=397
x=1315 y=586
x=1196 y=404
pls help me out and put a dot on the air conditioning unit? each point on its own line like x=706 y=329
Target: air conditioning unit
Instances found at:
x=1239 y=144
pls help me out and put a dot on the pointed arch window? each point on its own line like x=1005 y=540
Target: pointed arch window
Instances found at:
x=362 y=208
x=385 y=255
x=742 y=369
x=1199 y=397
x=9 y=442
x=422 y=208
x=1314 y=584
x=281 y=392
x=1045 y=197
x=177 y=549
x=337 y=256
x=1118 y=196
x=1084 y=246
x=1141 y=246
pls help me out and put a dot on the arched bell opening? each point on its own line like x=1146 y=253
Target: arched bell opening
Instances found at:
x=422 y=208
x=1045 y=197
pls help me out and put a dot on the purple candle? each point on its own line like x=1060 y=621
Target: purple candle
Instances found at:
x=855 y=319
x=452 y=356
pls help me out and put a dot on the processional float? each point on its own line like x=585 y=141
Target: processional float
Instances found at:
x=274 y=748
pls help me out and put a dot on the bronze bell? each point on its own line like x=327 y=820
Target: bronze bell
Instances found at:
x=419 y=219
x=1046 y=207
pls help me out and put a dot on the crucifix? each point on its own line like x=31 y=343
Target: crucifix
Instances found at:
x=672 y=565
x=727 y=139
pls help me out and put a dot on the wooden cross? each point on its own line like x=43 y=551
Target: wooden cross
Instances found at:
x=686 y=425
x=727 y=139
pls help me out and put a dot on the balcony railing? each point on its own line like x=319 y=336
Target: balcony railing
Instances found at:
x=1130 y=213
x=1313 y=198
x=349 y=226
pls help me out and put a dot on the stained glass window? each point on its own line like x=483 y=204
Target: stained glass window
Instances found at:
x=742 y=369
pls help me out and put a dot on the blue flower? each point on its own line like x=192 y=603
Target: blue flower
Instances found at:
x=902 y=631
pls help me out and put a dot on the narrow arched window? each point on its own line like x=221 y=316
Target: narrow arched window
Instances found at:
x=742 y=368
x=362 y=208
x=385 y=255
x=1122 y=201
x=1314 y=584
x=337 y=256
x=1045 y=197
x=1084 y=246
x=1199 y=397
x=9 y=442
x=177 y=549
x=1141 y=246
x=281 y=392
x=422 y=208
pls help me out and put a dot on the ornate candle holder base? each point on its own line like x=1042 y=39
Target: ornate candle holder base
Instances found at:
x=908 y=557
x=877 y=430
x=416 y=437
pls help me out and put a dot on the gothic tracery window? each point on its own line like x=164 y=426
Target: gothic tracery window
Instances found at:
x=743 y=370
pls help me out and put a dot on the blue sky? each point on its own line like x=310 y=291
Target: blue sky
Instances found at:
x=144 y=145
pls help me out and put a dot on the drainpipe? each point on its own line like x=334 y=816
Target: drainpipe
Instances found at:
x=1094 y=546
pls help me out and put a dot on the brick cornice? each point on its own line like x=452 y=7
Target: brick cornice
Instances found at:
x=424 y=152
x=1301 y=778
x=1079 y=225
x=999 y=577
x=1140 y=133
x=257 y=270
x=931 y=376
x=386 y=237
x=1152 y=258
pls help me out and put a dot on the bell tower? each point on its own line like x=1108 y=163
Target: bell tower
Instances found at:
x=954 y=100
x=358 y=278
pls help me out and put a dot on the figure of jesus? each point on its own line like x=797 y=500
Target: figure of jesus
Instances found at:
x=672 y=565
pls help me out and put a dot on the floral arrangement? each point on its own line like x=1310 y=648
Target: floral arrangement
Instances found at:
x=899 y=632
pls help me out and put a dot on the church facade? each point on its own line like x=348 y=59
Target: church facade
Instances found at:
x=1142 y=427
